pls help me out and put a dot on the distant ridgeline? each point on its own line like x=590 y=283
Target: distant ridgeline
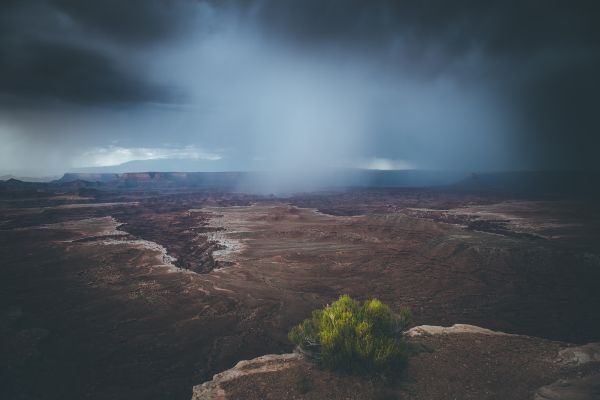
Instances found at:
x=131 y=179
x=265 y=181
x=527 y=183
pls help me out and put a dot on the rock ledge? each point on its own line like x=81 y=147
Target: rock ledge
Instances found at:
x=213 y=390
x=423 y=330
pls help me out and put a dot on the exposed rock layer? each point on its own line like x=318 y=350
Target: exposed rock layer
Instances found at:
x=461 y=361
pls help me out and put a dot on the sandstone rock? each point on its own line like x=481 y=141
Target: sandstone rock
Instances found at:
x=212 y=390
x=580 y=355
x=456 y=328
x=587 y=388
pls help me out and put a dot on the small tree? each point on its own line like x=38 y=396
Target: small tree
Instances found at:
x=349 y=335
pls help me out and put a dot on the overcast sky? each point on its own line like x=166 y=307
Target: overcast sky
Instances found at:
x=298 y=84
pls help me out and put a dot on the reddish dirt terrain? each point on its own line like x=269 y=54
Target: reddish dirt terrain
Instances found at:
x=143 y=295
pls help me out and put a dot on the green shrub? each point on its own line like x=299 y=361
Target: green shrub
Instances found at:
x=354 y=336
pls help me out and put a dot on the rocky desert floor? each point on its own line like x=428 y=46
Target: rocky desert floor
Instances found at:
x=144 y=295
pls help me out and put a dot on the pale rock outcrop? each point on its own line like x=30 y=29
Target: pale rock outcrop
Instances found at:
x=212 y=390
x=454 y=329
x=580 y=355
x=586 y=388
x=579 y=388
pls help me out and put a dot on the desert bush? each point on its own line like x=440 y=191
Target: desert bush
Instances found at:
x=354 y=336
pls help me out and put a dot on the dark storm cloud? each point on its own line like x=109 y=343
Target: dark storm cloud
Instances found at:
x=231 y=62
x=132 y=21
x=543 y=56
x=76 y=51
x=35 y=71
x=509 y=27
x=428 y=38
x=423 y=37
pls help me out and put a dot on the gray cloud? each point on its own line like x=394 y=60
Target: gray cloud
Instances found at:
x=80 y=52
x=133 y=21
x=273 y=83
x=37 y=71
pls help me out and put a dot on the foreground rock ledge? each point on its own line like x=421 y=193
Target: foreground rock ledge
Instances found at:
x=461 y=361
x=214 y=389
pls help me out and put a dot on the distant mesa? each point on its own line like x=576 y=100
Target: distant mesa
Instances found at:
x=10 y=177
x=220 y=180
x=247 y=180
x=537 y=183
